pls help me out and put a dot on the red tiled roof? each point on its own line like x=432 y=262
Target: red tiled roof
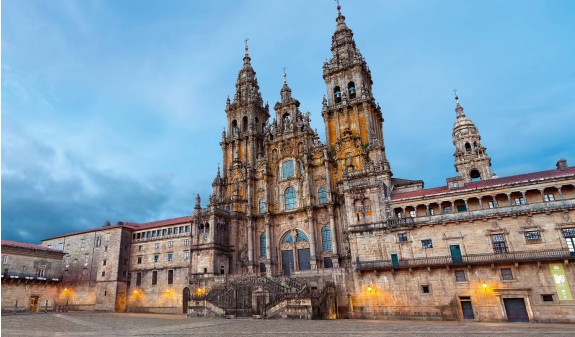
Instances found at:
x=161 y=223
x=534 y=176
x=25 y=245
x=131 y=225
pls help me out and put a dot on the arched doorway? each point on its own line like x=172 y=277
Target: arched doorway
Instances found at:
x=185 y=300
x=295 y=252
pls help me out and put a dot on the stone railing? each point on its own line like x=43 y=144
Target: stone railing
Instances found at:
x=486 y=258
x=29 y=277
x=388 y=224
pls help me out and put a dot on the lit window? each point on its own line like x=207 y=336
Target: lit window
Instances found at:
x=533 y=236
x=427 y=243
x=263 y=246
x=402 y=237
x=412 y=214
x=262 y=206
x=288 y=169
x=290 y=198
x=398 y=214
x=170 y=256
x=460 y=276
x=549 y=197
x=506 y=274
x=322 y=196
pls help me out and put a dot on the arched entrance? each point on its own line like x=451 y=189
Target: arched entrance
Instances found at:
x=295 y=252
x=185 y=300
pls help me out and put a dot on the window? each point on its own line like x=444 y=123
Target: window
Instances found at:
x=533 y=236
x=148 y=234
x=506 y=274
x=105 y=293
x=4 y=259
x=125 y=262
x=547 y=297
x=549 y=197
x=412 y=214
x=398 y=214
x=402 y=237
x=170 y=244
x=322 y=196
x=187 y=229
x=153 y=234
x=460 y=276
x=164 y=232
x=156 y=258
x=447 y=210
x=326 y=239
x=154 y=277
x=170 y=256
x=103 y=273
x=40 y=272
x=425 y=289
x=186 y=255
x=351 y=90
x=169 y=231
x=431 y=211
x=461 y=208
x=337 y=94
x=425 y=244
x=569 y=234
x=176 y=230
x=186 y=242
x=98 y=241
x=288 y=169
x=262 y=206
x=140 y=247
x=170 y=276
x=105 y=249
x=455 y=185
x=519 y=201
x=290 y=199
x=82 y=244
x=104 y=262
x=499 y=244
x=492 y=204
x=263 y=246
x=139 y=260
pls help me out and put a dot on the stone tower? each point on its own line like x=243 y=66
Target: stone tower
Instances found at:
x=243 y=140
x=353 y=122
x=471 y=161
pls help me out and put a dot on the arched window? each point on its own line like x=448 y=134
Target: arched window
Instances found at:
x=475 y=175
x=245 y=123
x=234 y=127
x=262 y=206
x=288 y=169
x=467 y=148
x=290 y=199
x=322 y=196
x=287 y=238
x=263 y=246
x=326 y=239
x=300 y=236
x=337 y=94
x=351 y=90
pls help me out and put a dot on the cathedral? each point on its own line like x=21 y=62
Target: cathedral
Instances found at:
x=297 y=227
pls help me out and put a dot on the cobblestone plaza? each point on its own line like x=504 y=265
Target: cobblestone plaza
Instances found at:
x=108 y=324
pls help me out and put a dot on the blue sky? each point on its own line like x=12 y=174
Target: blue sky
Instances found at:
x=113 y=110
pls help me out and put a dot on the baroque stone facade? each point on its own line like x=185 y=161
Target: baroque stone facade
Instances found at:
x=326 y=225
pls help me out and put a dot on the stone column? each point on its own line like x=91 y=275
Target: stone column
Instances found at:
x=480 y=202
x=542 y=195
x=312 y=252
x=268 y=246
x=509 y=198
x=250 y=245
x=560 y=193
x=335 y=256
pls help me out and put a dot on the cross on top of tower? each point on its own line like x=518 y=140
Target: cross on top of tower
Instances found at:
x=456 y=97
x=285 y=76
x=338 y=7
x=246 y=44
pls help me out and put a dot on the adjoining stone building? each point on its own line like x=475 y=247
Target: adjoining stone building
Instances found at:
x=31 y=275
x=296 y=227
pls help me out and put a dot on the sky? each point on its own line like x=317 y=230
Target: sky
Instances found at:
x=114 y=110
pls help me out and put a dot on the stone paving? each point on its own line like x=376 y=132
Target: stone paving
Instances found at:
x=109 y=324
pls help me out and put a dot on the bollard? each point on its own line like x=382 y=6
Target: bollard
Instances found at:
x=46 y=309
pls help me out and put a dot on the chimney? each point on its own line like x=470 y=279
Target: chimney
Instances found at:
x=562 y=164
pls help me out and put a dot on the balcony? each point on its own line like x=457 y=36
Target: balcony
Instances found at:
x=471 y=259
x=390 y=223
x=23 y=277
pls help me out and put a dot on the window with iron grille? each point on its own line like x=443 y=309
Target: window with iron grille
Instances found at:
x=263 y=246
x=499 y=244
x=533 y=236
x=460 y=276
x=569 y=234
x=506 y=274
x=322 y=196
x=262 y=206
x=290 y=199
x=326 y=239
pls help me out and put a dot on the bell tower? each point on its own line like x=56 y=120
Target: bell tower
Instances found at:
x=471 y=159
x=353 y=120
x=242 y=140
